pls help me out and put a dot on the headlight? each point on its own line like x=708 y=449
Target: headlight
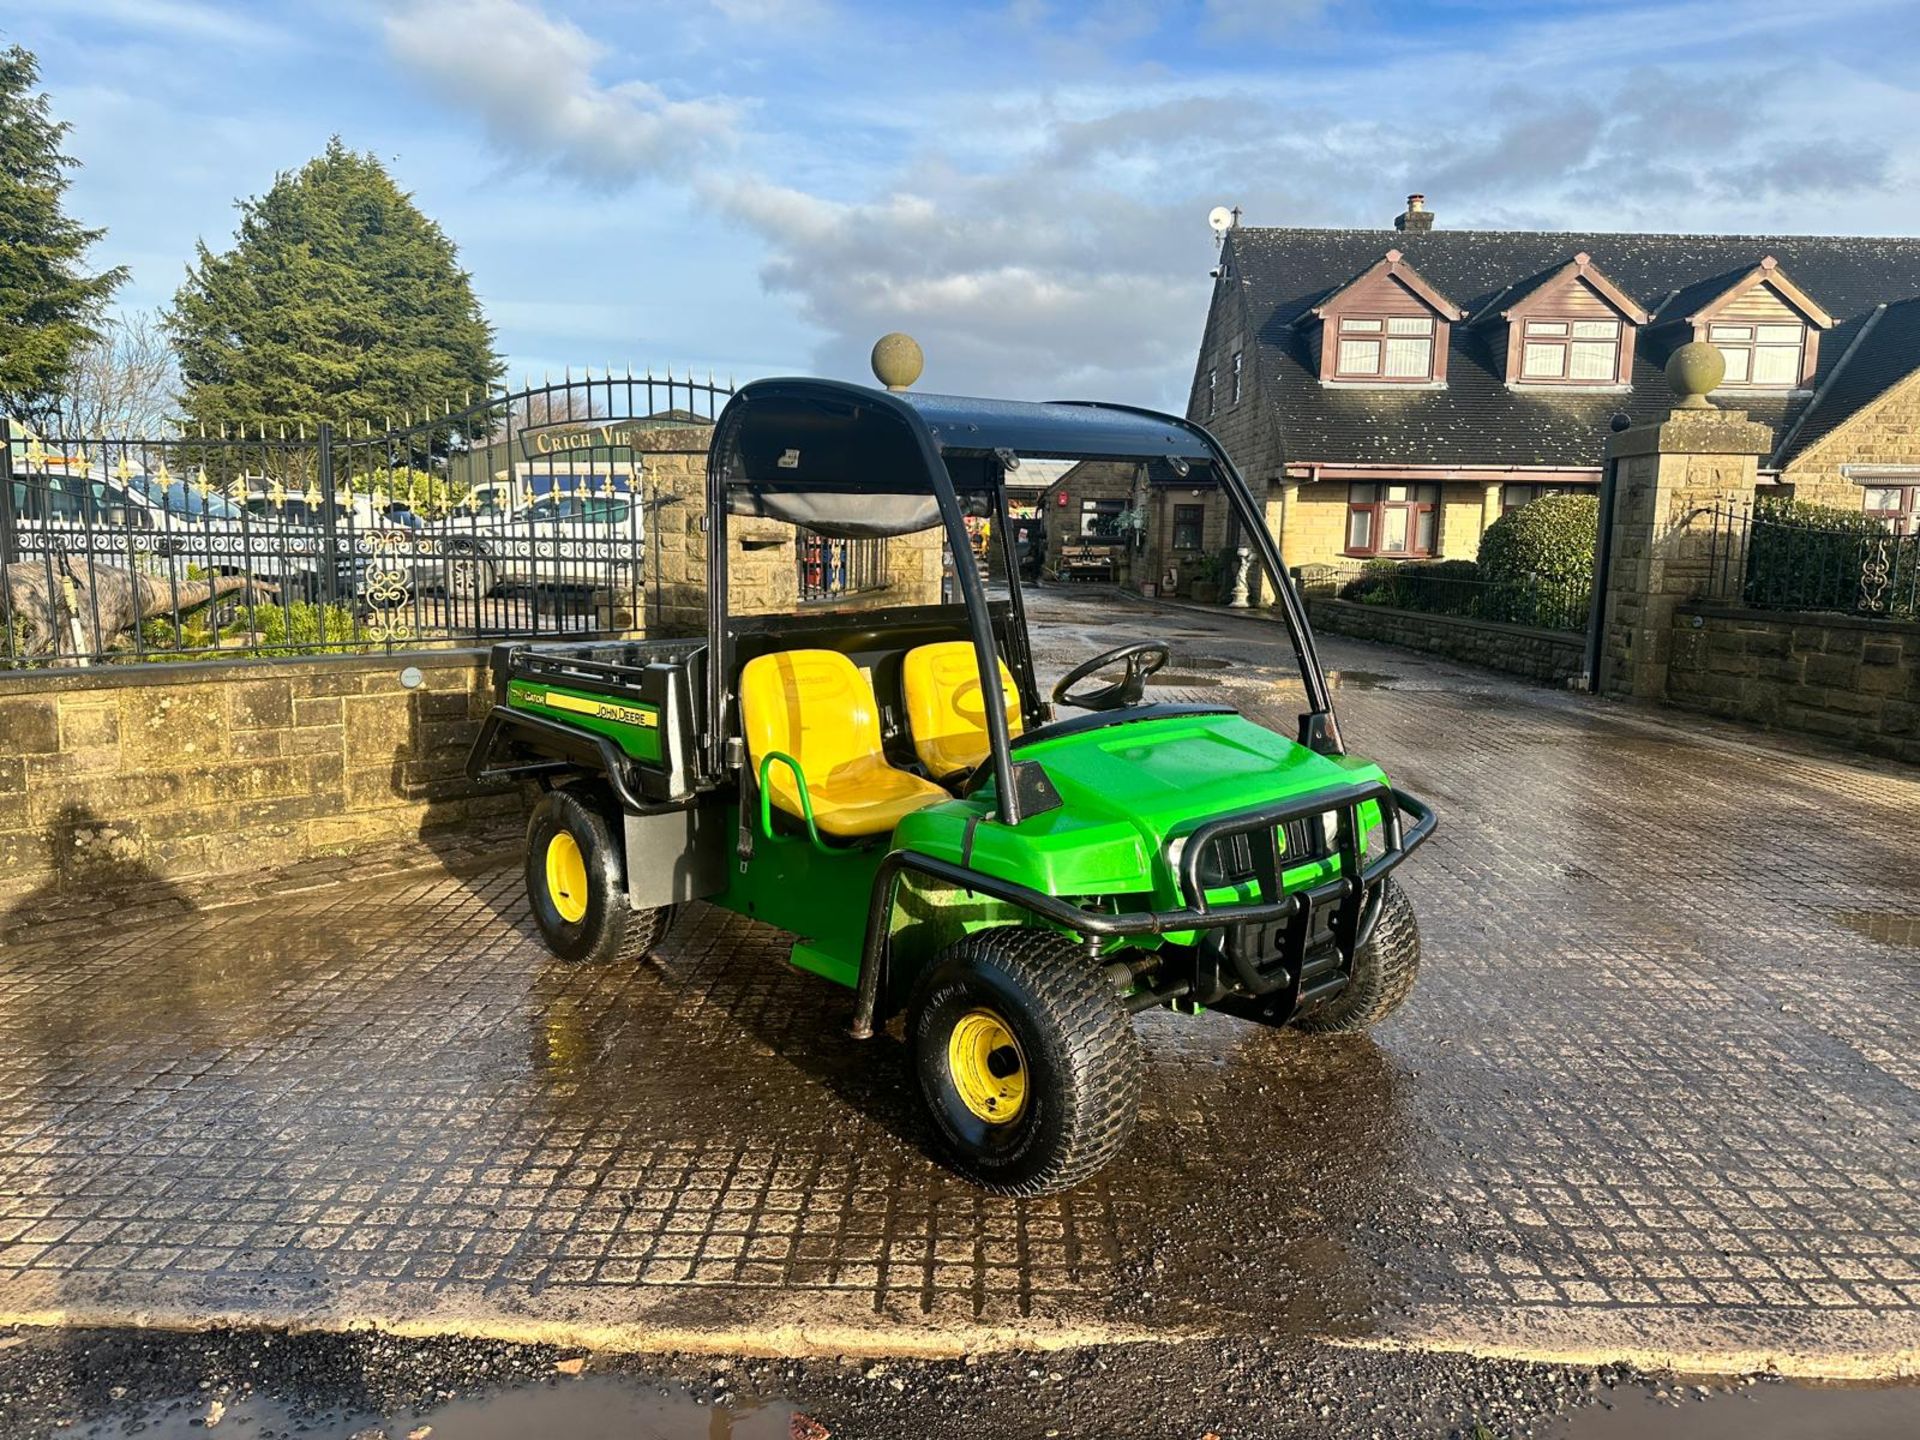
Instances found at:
x=1175 y=850
x=1330 y=827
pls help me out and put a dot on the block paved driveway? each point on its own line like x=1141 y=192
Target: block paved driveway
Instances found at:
x=1657 y=1096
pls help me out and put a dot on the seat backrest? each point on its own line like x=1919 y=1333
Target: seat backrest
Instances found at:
x=945 y=710
x=814 y=705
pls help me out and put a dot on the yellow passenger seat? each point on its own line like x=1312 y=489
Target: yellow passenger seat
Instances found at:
x=945 y=710
x=818 y=707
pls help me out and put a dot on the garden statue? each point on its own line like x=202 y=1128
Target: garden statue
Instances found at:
x=1242 y=562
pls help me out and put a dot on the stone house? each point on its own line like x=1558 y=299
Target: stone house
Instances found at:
x=1393 y=392
x=1179 y=522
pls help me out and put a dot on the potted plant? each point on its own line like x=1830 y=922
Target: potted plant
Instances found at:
x=1209 y=573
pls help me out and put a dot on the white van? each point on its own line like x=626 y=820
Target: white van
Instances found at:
x=158 y=525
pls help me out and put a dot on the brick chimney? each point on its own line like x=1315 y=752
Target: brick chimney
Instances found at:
x=1417 y=219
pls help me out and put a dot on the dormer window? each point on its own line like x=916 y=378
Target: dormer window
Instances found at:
x=1766 y=328
x=1385 y=347
x=1386 y=326
x=1580 y=350
x=1570 y=326
x=1764 y=356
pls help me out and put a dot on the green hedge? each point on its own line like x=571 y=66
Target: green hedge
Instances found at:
x=1802 y=556
x=1550 y=540
x=1461 y=587
x=1400 y=583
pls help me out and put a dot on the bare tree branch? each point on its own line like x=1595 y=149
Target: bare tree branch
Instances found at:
x=125 y=383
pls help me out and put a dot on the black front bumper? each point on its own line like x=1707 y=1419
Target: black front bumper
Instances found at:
x=1258 y=948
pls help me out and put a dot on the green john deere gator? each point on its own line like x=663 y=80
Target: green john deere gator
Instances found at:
x=1020 y=877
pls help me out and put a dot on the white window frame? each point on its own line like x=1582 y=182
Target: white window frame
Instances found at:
x=1742 y=343
x=1381 y=334
x=1561 y=337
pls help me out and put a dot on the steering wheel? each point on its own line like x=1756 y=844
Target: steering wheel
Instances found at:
x=1143 y=657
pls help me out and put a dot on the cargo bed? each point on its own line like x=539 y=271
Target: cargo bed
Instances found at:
x=625 y=707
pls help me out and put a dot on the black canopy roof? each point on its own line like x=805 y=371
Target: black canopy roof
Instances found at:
x=849 y=460
x=1055 y=430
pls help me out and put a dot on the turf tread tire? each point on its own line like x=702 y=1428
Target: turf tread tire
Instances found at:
x=1383 y=972
x=1097 y=1090
x=611 y=930
x=645 y=929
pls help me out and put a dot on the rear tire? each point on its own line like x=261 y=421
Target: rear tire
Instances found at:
x=576 y=884
x=1384 y=970
x=1026 y=1060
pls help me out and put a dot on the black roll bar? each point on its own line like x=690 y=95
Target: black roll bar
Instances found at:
x=984 y=428
x=953 y=522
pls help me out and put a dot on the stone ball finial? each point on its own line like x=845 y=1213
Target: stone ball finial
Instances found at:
x=897 y=360
x=1692 y=371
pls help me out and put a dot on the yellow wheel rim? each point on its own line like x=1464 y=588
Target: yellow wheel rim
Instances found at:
x=989 y=1071
x=567 y=877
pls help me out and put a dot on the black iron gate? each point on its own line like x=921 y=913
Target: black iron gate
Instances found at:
x=520 y=514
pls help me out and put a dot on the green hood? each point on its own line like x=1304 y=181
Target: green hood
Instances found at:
x=1128 y=789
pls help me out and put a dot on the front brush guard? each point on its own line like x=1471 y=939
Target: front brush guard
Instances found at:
x=1357 y=905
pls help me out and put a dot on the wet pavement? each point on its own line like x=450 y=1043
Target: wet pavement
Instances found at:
x=1654 y=1099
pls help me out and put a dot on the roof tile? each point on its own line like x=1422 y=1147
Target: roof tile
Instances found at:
x=1477 y=419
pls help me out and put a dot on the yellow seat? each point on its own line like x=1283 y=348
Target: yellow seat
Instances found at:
x=817 y=706
x=944 y=706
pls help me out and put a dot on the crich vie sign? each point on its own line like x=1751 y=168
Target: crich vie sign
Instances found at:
x=569 y=436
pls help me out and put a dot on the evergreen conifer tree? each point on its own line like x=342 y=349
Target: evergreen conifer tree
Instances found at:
x=49 y=304
x=339 y=301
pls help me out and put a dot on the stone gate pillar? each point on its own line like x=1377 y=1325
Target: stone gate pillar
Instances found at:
x=1667 y=478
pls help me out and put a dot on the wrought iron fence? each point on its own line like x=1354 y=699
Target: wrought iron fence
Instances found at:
x=830 y=569
x=1770 y=559
x=1541 y=602
x=521 y=514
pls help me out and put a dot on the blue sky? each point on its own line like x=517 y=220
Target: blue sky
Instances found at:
x=764 y=186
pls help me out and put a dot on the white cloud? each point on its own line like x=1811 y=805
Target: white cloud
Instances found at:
x=1015 y=283
x=1036 y=214
x=178 y=19
x=530 y=78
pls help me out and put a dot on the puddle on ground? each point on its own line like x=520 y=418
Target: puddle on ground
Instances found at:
x=586 y=1409
x=1889 y=927
x=1201 y=662
x=1175 y=677
x=1360 y=679
x=1757 y=1412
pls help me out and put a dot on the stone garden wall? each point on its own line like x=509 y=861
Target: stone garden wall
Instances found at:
x=120 y=774
x=1856 y=682
x=1551 y=657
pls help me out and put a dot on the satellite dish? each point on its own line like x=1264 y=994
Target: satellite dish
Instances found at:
x=1220 y=218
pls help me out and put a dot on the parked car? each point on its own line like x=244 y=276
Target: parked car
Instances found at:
x=570 y=542
x=153 y=522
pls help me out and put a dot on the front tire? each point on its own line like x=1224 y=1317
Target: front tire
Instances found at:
x=576 y=884
x=470 y=575
x=1026 y=1060
x=1384 y=970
